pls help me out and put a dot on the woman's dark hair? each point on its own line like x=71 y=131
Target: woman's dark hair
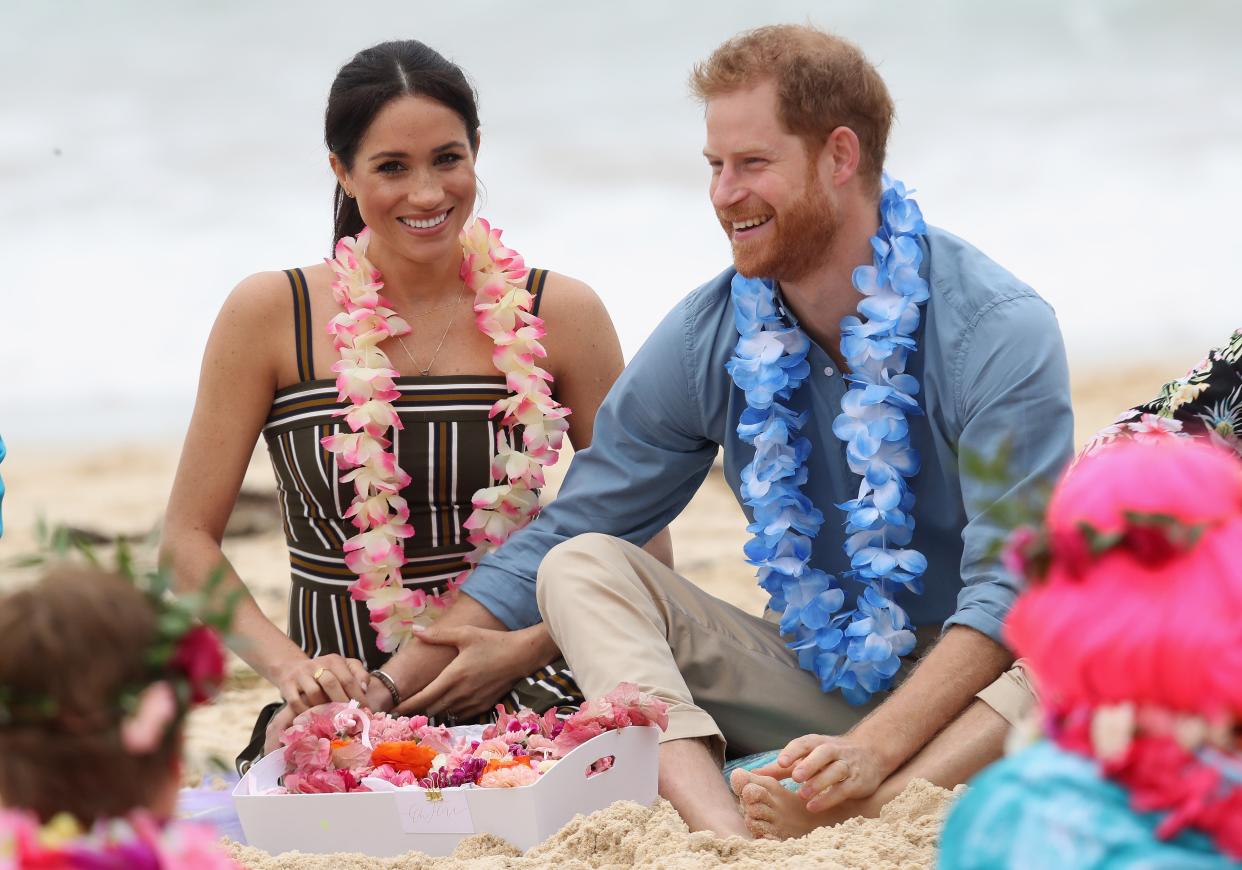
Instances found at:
x=369 y=82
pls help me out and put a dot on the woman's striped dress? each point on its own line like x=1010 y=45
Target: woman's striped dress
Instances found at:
x=446 y=447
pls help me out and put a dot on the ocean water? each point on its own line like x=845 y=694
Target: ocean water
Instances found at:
x=152 y=154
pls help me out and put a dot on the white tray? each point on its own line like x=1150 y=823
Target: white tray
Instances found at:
x=384 y=824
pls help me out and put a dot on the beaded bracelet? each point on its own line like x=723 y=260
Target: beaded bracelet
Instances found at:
x=389 y=684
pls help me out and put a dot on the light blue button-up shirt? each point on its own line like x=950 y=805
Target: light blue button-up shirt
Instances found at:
x=992 y=368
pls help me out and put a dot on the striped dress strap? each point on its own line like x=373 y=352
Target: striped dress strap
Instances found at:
x=302 y=325
x=534 y=284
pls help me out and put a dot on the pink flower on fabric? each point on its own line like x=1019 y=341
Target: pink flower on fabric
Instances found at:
x=353 y=449
x=374 y=417
x=377 y=476
x=362 y=559
x=360 y=385
x=378 y=510
x=1151 y=427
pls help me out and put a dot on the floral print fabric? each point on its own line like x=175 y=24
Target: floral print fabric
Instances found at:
x=1206 y=403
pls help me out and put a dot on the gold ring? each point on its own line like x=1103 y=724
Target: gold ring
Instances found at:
x=319 y=673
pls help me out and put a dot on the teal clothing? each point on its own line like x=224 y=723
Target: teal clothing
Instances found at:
x=2 y=452
x=756 y=761
x=1046 y=807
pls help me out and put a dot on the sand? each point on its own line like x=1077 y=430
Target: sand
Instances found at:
x=630 y=835
x=123 y=491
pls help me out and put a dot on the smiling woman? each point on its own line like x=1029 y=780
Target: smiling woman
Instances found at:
x=422 y=418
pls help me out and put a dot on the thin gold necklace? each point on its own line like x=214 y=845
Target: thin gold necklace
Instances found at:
x=423 y=372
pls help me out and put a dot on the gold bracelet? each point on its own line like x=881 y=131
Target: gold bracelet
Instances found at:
x=389 y=684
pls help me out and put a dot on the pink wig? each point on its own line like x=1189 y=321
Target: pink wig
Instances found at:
x=1145 y=621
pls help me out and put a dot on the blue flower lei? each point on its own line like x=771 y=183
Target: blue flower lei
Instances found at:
x=856 y=651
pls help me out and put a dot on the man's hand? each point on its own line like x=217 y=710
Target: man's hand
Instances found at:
x=487 y=665
x=831 y=770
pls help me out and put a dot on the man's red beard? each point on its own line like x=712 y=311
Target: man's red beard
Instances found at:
x=797 y=242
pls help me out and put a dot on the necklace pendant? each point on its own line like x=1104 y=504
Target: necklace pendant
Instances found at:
x=424 y=373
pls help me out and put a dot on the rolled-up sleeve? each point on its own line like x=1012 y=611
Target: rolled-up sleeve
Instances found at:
x=1012 y=388
x=648 y=456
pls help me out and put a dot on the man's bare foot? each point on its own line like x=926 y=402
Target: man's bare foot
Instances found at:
x=690 y=780
x=773 y=812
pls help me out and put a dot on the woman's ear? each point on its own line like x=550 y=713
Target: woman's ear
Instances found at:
x=341 y=173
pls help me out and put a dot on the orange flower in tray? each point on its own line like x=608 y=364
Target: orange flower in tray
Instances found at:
x=404 y=755
x=505 y=764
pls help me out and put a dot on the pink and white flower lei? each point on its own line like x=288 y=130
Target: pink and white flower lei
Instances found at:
x=365 y=377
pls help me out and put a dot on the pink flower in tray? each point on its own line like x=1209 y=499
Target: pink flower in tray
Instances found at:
x=307 y=751
x=350 y=754
x=323 y=782
x=388 y=773
x=510 y=777
x=316 y=721
x=575 y=733
x=542 y=747
x=437 y=737
x=641 y=708
x=390 y=729
x=497 y=747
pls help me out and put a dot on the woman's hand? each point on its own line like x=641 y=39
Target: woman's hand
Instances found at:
x=487 y=665
x=276 y=726
x=305 y=682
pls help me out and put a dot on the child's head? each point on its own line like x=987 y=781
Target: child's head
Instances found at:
x=1142 y=593
x=1131 y=627
x=90 y=712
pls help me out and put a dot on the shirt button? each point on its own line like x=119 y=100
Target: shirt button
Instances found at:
x=828 y=371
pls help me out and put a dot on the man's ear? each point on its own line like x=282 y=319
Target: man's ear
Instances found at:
x=841 y=155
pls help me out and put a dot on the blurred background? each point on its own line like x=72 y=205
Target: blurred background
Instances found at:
x=154 y=153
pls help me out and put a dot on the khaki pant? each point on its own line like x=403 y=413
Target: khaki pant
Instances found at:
x=620 y=615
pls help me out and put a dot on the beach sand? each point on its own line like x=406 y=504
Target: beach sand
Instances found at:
x=123 y=490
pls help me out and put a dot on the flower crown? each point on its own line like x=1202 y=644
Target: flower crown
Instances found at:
x=185 y=662
x=1150 y=538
